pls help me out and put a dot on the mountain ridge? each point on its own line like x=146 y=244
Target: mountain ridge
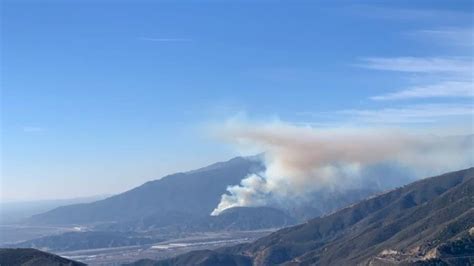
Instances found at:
x=416 y=220
x=179 y=198
x=193 y=193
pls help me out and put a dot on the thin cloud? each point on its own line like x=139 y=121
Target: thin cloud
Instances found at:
x=149 y=39
x=391 y=13
x=443 y=89
x=457 y=65
x=402 y=114
x=422 y=113
x=448 y=36
x=450 y=76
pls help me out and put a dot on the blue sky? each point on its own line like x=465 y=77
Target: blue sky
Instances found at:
x=100 y=96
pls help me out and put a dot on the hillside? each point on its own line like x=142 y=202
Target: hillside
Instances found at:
x=428 y=221
x=33 y=257
x=244 y=218
x=172 y=199
x=183 y=202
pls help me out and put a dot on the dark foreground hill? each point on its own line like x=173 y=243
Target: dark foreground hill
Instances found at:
x=33 y=257
x=429 y=222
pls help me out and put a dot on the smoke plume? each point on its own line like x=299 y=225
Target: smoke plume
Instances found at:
x=302 y=160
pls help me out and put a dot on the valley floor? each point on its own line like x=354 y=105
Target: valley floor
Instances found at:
x=162 y=250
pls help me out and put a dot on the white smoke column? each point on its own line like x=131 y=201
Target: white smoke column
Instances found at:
x=301 y=160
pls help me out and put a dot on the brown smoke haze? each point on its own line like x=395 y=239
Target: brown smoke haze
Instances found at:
x=301 y=160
